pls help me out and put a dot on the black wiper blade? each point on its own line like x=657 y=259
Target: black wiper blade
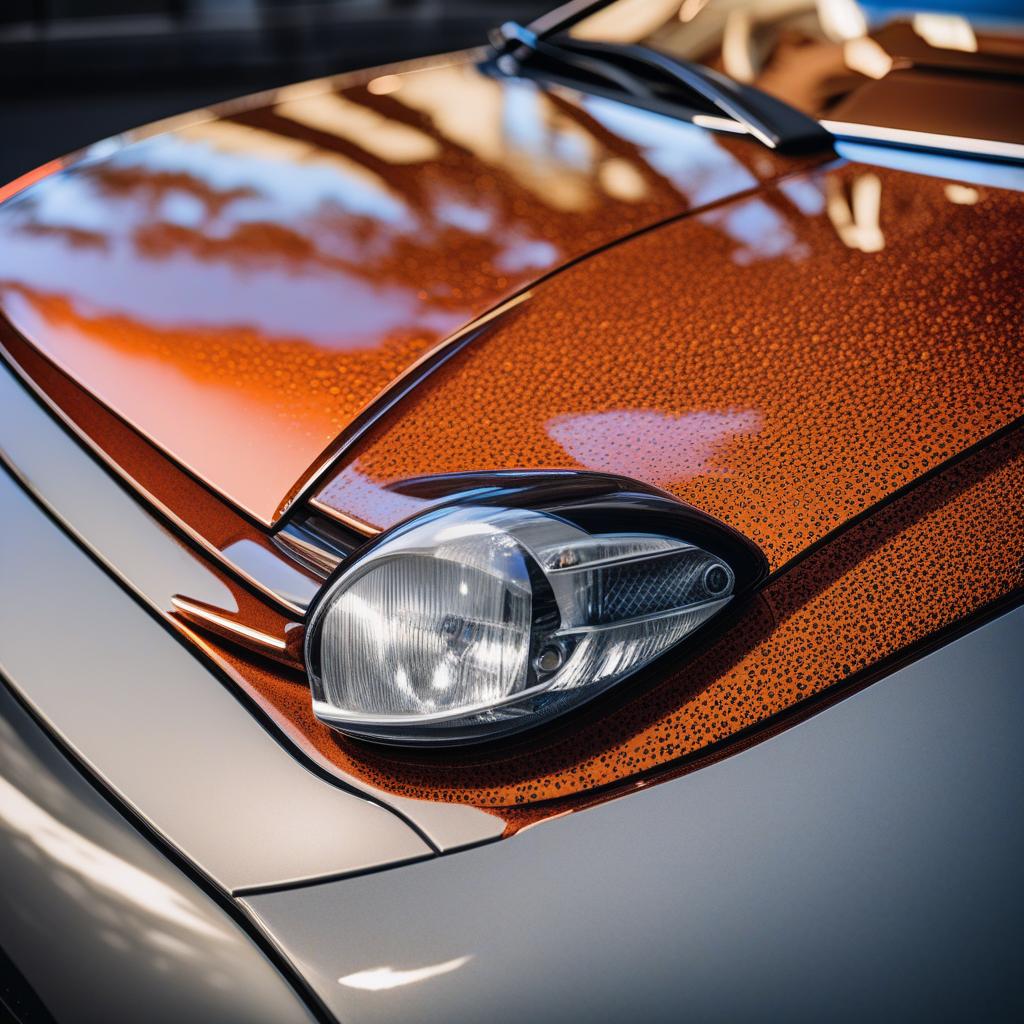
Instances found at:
x=512 y=41
x=631 y=67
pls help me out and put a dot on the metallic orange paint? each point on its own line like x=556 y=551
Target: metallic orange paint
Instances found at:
x=950 y=548
x=783 y=361
x=202 y=517
x=12 y=188
x=833 y=365
x=239 y=286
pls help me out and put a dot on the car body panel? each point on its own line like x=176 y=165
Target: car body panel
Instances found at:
x=217 y=528
x=314 y=313
x=891 y=291
x=782 y=362
x=874 y=592
x=881 y=589
x=99 y=923
x=272 y=267
x=870 y=595
x=158 y=568
x=861 y=865
x=160 y=729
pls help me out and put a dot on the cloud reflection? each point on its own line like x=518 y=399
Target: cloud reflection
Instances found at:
x=668 y=448
x=268 y=271
x=382 y=136
x=857 y=220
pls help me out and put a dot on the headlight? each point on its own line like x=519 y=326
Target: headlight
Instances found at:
x=470 y=622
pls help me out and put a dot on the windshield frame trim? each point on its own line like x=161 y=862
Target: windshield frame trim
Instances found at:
x=909 y=139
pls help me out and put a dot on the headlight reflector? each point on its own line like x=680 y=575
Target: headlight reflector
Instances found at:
x=427 y=631
x=474 y=621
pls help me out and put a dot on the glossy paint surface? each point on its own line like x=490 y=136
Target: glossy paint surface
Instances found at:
x=240 y=285
x=914 y=375
x=111 y=522
x=893 y=294
x=782 y=362
x=787 y=361
x=176 y=703
x=863 y=865
x=945 y=551
x=948 y=549
x=160 y=730
x=234 y=542
x=102 y=926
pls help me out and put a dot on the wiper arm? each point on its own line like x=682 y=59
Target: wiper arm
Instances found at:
x=630 y=67
x=512 y=41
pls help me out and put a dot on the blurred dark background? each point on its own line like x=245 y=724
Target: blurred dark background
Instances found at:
x=74 y=71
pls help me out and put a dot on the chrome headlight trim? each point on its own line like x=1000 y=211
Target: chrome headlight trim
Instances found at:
x=661 y=558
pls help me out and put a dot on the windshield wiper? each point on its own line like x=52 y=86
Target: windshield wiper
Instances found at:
x=644 y=74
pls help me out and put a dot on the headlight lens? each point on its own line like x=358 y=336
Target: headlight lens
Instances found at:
x=475 y=621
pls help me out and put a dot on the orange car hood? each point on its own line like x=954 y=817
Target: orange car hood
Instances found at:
x=784 y=361
x=240 y=284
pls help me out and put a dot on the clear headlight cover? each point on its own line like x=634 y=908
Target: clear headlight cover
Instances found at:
x=475 y=621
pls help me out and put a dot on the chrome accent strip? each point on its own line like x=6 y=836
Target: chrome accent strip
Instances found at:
x=358 y=525
x=945 y=166
x=925 y=140
x=718 y=124
x=714 y=605
x=313 y=555
x=614 y=561
x=191 y=610
x=314 y=544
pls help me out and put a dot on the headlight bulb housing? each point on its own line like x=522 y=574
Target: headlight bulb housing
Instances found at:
x=474 y=621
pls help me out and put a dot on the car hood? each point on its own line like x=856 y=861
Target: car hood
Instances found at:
x=240 y=284
x=784 y=361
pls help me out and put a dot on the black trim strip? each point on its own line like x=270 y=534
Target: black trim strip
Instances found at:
x=307 y=883
x=19 y=1001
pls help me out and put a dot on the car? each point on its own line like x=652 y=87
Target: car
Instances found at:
x=528 y=534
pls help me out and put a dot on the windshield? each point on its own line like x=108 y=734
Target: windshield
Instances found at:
x=954 y=72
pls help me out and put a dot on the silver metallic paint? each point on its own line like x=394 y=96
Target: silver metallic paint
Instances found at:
x=162 y=731
x=103 y=926
x=863 y=865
